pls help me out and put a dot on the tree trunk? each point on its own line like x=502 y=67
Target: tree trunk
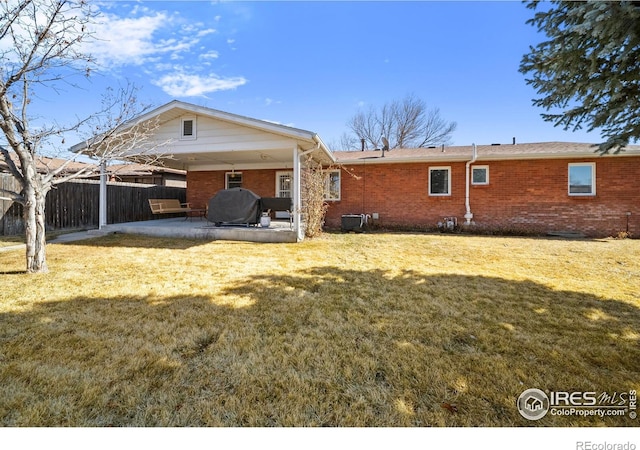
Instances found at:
x=34 y=220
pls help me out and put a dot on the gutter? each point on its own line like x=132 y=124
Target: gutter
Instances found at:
x=469 y=215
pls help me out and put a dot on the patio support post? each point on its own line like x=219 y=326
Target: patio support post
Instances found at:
x=296 y=193
x=102 y=219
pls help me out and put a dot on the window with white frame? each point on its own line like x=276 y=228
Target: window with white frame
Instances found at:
x=439 y=180
x=480 y=175
x=188 y=128
x=284 y=184
x=582 y=178
x=233 y=180
x=332 y=186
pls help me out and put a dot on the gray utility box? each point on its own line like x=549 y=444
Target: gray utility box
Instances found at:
x=353 y=222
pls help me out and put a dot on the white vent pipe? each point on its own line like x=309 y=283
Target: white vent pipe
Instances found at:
x=469 y=215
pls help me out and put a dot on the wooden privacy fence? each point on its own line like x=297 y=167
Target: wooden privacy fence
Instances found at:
x=75 y=204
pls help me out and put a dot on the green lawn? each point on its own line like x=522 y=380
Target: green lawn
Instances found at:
x=344 y=330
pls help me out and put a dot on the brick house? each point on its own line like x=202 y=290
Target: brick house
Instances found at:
x=540 y=187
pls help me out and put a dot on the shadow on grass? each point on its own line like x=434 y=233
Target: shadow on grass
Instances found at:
x=320 y=347
x=139 y=241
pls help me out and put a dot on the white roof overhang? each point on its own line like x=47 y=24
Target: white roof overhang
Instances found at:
x=276 y=151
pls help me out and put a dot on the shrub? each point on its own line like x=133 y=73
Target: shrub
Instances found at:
x=314 y=206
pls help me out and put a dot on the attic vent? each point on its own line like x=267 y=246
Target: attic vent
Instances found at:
x=188 y=129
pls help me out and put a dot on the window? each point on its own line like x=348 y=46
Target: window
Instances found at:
x=188 y=128
x=480 y=175
x=332 y=186
x=283 y=184
x=440 y=181
x=582 y=179
x=233 y=180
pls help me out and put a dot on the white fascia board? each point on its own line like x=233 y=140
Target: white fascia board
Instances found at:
x=529 y=157
x=238 y=167
x=325 y=150
x=407 y=160
x=481 y=157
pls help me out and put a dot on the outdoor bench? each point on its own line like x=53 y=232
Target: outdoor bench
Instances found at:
x=168 y=206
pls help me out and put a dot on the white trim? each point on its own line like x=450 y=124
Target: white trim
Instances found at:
x=327 y=186
x=448 y=169
x=296 y=196
x=593 y=179
x=226 y=178
x=278 y=174
x=486 y=168
x=194 y=131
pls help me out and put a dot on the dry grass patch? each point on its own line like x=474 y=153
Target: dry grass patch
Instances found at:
x=345 y=330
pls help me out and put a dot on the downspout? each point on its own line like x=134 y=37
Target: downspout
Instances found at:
x=469 y=215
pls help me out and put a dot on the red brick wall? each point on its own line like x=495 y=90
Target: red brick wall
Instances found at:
x=399 y=193
x=522 y=195
x=201 y=186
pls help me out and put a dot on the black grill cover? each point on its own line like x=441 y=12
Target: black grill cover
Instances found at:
x=234 y=206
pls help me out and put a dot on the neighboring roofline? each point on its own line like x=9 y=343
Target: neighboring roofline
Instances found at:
x=438 y=156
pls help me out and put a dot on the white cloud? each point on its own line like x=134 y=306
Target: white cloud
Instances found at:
x=193 y=85
x=203 y=33
x=211 y=54
x=121 y=41
x=269 y=101
x=174 y=52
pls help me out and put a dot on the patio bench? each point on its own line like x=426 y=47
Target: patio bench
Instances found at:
x=168 y=206
x=276 y=204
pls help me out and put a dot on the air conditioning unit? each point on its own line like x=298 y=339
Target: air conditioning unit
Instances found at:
x=353 y=222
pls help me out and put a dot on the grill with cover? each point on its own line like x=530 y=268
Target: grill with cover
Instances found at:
x=236 y=206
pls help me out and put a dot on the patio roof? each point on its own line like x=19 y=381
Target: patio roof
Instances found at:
x=227 y=140
x=196 y=138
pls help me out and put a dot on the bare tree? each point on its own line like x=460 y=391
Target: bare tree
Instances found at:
x=121 y=131
x=40 y=47
x=406 y=123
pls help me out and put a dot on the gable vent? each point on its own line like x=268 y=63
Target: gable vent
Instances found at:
x=187 y=128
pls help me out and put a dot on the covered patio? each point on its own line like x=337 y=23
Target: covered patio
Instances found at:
x=220 y=150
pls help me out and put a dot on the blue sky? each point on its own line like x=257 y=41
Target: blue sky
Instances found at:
x=312 y=65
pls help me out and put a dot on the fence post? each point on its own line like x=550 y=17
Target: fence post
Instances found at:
x=102 y=220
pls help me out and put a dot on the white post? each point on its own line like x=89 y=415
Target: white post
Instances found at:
x=102 y=220
x=296 y=193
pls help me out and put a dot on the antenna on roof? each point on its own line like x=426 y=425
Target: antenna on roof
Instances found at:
x=385 y=145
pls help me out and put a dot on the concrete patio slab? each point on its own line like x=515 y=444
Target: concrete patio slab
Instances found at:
x=278 y=231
